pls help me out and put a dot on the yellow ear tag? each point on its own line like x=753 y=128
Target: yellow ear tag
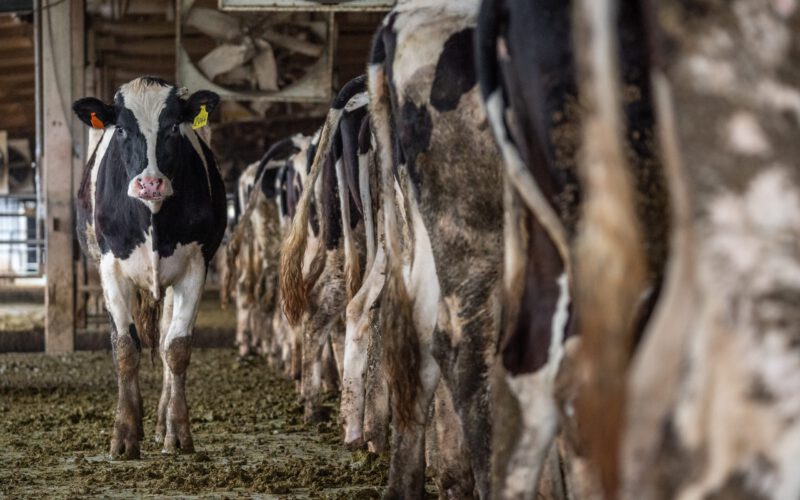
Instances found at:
x=97 y=122
x=201 y=119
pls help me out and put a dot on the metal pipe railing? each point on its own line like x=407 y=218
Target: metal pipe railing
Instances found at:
x=31 y=242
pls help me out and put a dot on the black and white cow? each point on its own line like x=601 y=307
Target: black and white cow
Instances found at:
x=253 y=250
x=318 y=294
x=528 y=81
x=557 y=234
x=151 y=214
x=443 y=214
x=348 y=182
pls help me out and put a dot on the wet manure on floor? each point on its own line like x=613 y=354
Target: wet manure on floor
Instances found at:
x=57 y=414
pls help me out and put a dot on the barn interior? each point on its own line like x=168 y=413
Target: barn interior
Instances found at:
x=91 y=47
x=53 y=52
x=400 y=249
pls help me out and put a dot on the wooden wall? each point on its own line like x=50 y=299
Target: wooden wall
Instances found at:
x=17 y=76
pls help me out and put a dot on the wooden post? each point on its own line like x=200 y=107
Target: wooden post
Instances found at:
x=59 y=140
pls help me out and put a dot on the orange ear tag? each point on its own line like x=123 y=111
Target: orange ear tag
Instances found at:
x=97 y=122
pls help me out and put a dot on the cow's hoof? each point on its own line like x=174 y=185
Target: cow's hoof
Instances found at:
x=355 y=445
x=316 y=415
x=353 y=438
x=125 y=440
x=161 y=431
x=174 y=446
x=125 y=449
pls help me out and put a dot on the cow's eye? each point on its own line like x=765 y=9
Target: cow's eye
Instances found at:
x=175 y=128
x=121 y=132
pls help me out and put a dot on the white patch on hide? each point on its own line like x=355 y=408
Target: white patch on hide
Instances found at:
x=146 y=103
x=357 y=101
x=742 y=367
x=745 y=135
x=534 y=392
x=558 y=326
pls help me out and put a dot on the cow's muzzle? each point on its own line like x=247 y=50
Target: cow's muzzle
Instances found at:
x=150 y=188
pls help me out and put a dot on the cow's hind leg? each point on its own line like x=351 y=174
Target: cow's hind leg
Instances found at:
x=454 y=474
x=177 y=352
x=407 y=467
x=471 y=323
x=377 y=411
x=126 y=348
x=166 y=387
x=313 y=346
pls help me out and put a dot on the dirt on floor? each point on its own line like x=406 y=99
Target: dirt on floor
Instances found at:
x=57 y=414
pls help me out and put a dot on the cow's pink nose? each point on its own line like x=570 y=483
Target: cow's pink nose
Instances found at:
x=150 y=187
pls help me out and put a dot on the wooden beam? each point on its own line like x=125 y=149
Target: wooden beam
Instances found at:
x=12 y=78
x=26 y=122
x=17 y=91
x=57 y=170
x=16 y=108
x=23 y=61
x=21 y=30
x=135 y=29
x=27 y=102
x=18 y=42
x=124 y=75
x=140 y=47
x=166 y=64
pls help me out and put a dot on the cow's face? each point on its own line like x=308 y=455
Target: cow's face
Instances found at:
x=148 y=119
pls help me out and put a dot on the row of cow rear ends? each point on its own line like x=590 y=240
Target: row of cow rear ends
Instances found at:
x=545 y=249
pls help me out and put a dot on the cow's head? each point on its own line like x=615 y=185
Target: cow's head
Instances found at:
x=149 y=118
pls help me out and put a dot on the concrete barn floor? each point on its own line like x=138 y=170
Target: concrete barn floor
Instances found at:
x=57 y=414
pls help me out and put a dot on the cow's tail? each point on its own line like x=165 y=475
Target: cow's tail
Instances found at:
x=401 y=348
x=491 y=85
x=226 y=288
x=147 y=315
x=352 y=267
x=610 y=259
x=293 y=290
x=365 y=169
x=293 y=287
x=238 y=236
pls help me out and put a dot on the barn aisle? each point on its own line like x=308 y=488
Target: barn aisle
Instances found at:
x=248 y=428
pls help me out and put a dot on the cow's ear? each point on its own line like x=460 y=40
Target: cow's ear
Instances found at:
x=94 y=112
x=199 y=106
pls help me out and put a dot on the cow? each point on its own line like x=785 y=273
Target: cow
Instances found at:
x=253 y=249
x=559 y=233
x=243 y=270
x=364 y=410
x=526 y=97
x=351 y=175
x=316 y=296
x=713 y=399
x=151 y=213
x=443 y=225
x=291 y=180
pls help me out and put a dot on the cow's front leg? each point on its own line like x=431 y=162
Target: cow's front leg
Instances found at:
x=177 y=352
x=126 y=348
x=166 y=387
